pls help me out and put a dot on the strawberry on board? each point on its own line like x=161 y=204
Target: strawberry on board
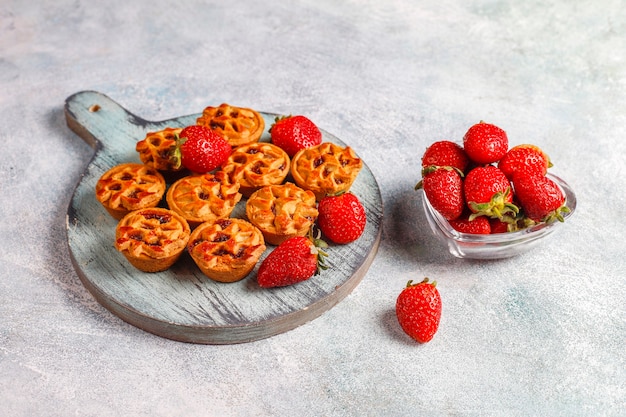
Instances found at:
x=443 y=186
x=488 y=192
x=445 y=153
x=541 y=198
x=293 y=133
x=485 y=143
x=341 y=217
x=295 y=260
x=418 y=309
x=525 y=157
x=200 y=149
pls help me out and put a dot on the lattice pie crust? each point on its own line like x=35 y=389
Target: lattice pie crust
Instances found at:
x=152 y=239
x=128 y=187
x=156 y=149
x=237 y=125
x=256 y=165
x=325 y=169
x=282 y=211
x=201 y=198
x=226 y=250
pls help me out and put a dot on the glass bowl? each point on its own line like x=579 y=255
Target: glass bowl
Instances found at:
x=497 y=245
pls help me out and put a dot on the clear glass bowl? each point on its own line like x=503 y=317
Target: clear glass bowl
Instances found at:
x=498 y=245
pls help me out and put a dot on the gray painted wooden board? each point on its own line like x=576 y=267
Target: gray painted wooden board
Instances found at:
x=181 y=303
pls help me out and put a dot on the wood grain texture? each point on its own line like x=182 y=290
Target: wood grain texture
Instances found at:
x=181 y=303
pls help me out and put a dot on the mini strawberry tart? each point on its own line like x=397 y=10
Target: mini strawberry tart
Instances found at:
x=325 y=169
x=257 y=165
x=237 y=125
x=152 y=239
x=282 y=211
x=226 y=250
x=201 y=198
x=128 y=187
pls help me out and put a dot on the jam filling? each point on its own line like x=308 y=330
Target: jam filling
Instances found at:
x=221 y=237
x=162 y=218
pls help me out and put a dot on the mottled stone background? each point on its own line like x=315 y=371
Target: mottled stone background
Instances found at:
x=542 y=334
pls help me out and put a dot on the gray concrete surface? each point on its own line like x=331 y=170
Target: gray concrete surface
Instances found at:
x=542 y=334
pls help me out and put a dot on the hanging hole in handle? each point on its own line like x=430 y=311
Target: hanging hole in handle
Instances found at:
x=94 y=108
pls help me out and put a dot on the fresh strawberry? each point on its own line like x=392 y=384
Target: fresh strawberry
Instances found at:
x=295 y=260
x=476 y=226
x=341 y=217
x=418 y=309
x=445 y=153
x=498 y=226
x=444 y=189
x=488 y=192
x=541 y=198
x=524 y=157
x=292 y=133
x=485 y=143
x=200 y=149
x=511 y=223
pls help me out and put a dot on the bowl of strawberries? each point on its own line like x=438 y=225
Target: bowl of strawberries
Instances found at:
x=487 y=200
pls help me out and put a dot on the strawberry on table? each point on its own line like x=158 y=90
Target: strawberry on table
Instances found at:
x=200 y=149
x=444 y=189
x=418 y=309
x=525 y=157
x=485 y=143
x=295 y=260
x=541 y=198
x=293 y=133
x=488 y=192
x=341 y=217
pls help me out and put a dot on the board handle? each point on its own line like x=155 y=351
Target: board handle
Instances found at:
x=89 y=114
x=96 y=118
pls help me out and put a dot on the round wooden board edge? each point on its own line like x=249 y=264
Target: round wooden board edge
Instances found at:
x=237 y=334
x=206 y=334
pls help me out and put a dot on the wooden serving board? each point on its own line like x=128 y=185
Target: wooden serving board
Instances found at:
x=181 y=303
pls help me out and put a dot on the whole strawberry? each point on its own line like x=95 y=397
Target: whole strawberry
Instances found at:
x=445 y=153
x=200 y=149
x=488 y=192
x=292 y=133
x=418 y=309
x=295 y=260
x=498 y=226
x=525 y=157
x=541 y=198
x=485 y=143
x=444 y=189
x=341 y=217
x=477 y=226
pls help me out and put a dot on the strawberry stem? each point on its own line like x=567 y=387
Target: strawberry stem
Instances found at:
x=176 y=158
x=424 y=281
x=318 y=247
x=496 y=208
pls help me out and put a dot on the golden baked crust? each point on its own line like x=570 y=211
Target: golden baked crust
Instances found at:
x=128 y=187
x=238 y=125
x=226 y=250
x=201 y=198
x=156 y=149
x=282 y=211
x=325 y=169
x=256 y=165
x=152 y=239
